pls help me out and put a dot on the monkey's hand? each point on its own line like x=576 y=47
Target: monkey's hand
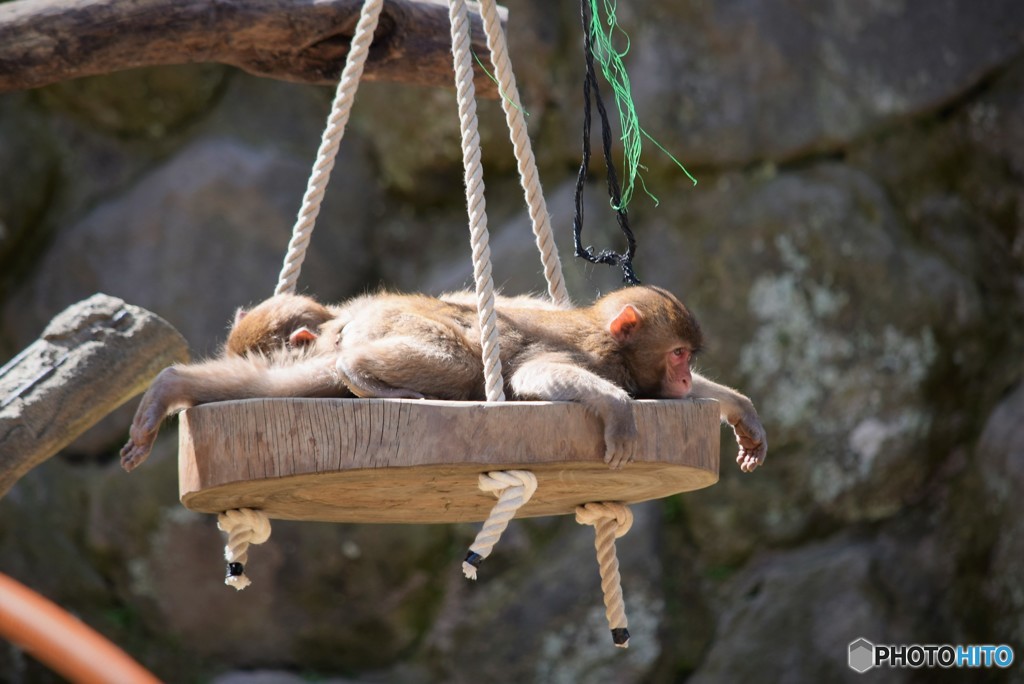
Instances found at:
x=140 y=443
x=555 y=377
x=752 y=440
x=739 y=412
x=146 y=424
x=620 y=433
x=163 y=398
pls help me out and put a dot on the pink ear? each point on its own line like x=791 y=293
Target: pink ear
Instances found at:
x=301 y=337
x=625 y=323
x=239 y=315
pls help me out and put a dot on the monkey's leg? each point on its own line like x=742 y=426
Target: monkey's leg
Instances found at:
x=354 y=368
x=554 y=377
x=409 y=354
x=182 y=386
x=739 y=412
x=412 y=366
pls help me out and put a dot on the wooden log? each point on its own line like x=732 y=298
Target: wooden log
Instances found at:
x=46 y=41
x=407 y=461
x=93 y=357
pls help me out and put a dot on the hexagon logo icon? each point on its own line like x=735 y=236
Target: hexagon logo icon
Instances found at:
x=862 y=655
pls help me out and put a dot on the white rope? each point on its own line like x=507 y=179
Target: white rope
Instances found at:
x=610 y=521
x=336 y=121
x=513 y=489
x=528 y=175
x=479 y=237
x=244 y=526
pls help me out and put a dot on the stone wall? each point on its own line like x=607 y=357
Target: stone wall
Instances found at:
x=854 y=249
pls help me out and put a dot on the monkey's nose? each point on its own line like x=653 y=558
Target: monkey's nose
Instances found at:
x=686 y=381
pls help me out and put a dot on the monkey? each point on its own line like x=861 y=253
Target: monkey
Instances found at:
x=736 y=409
x=633 y=343
x=286 y=320
x=293 y=321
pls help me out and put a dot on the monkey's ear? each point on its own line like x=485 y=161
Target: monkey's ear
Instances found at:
x=625 y=323
x=239 y=315
x=302 y=337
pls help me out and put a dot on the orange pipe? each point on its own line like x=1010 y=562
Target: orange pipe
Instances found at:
x=63 y=642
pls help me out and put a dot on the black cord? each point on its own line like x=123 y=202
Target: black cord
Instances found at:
x=590 y=83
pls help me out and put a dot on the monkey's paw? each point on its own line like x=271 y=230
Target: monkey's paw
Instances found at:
x=620 y=436
x=141 y=437
x=752 y=440
x=134 y=453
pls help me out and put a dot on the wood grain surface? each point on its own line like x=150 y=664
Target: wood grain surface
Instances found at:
x=409 y=461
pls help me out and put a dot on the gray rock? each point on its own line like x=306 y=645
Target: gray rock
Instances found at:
x=728 y=85
x=150 y=102
x=790 y=617
x=28 y=165
x=1000 y=461
x=194 y=239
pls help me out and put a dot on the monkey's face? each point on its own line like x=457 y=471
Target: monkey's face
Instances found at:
x=678 y=380
x=660 y=365
x=659 y=339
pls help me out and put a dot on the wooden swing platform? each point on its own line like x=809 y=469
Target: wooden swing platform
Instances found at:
x=418 y=461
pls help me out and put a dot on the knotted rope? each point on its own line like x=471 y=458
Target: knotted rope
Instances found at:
x=610 y=520
x=527 y=164
x=513 y=489
x=328 y=151
x=244 y=526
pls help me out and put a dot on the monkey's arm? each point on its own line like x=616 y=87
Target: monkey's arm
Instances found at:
x=554 y=377
x=739 y=412
x=183 y=386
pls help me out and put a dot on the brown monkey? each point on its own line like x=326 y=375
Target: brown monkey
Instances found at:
x=636 y=343
x=293 y=321
x=286 y=320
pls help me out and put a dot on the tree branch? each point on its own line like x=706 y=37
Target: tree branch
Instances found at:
x=46 y=41
x=92 y=357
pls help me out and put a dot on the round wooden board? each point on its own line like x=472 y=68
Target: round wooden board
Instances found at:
x=418 y=461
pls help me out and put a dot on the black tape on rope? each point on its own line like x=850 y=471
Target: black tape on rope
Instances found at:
x=620 y=635
x=474 y=559
x=235 y=569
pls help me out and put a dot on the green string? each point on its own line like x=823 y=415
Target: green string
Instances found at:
x=494 y=78
x=615 y=73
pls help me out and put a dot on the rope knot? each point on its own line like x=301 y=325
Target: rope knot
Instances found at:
x=513 y=489
x=592 y=513
x=498 y=481
x=610 y=520
x=244 y=526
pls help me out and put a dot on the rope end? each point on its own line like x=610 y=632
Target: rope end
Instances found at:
x=620 y=635
x=470 y=565
x=236 y=577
